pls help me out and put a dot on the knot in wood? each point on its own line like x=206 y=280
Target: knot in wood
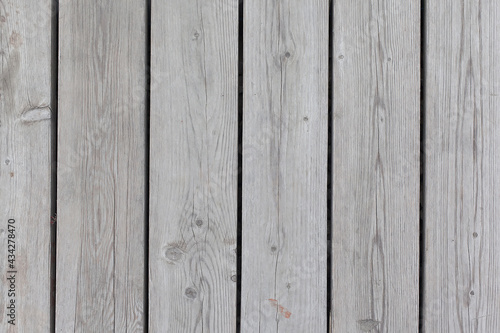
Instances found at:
x=174 y=254
x=191 y=293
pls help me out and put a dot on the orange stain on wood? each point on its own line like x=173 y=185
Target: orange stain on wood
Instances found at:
x=281 y=309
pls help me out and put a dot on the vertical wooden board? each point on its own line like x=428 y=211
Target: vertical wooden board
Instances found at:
x=462 y=236
x=375 y=214
x=25 y=152
x=193 y=166
x=101 y=166
x=285 y=140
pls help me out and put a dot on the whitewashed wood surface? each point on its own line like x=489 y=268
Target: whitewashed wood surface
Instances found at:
x=25 y=154
x=176 y=134
x=375 y=213
x=101 y=166
x=194 y=166
x=285 y=149
x=462 y=104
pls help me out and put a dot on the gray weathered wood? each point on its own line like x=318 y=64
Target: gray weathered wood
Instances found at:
x=285 y=139
x=101 y=161
x=375 y=214
x=462 y=234
x=25 y=140
x=193 y=173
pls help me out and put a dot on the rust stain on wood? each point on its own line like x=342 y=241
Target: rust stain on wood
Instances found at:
x=15 y=39
x=282 y=310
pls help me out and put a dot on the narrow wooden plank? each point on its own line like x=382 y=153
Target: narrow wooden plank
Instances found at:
x=462 y=243
x=101 y=175
x=25 y=154
x=285 y=149
x=193 y=166
x=375 y=214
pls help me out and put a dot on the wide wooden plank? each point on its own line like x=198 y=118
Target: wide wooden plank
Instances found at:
x=285 y=149
x=375 y=201
x=25 y=169
x=462 y=234
x=193 y=166
x=101 y=166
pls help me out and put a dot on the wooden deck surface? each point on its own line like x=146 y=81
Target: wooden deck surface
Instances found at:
x=250 y=166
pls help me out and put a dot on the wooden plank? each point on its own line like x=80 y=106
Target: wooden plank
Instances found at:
x=193 y=166
x=101 y=167
x=25 y=170
x=375 y=203
x=462 y=237
x=285 y=149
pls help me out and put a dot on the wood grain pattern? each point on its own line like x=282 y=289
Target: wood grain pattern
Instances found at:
x=25 y=169
x=375 y=204
x=462 y=244
x=101 y=161
x=285 y=140
x=193 y=173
